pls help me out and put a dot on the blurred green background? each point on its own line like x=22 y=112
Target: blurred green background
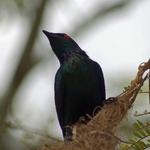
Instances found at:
x=115 y=33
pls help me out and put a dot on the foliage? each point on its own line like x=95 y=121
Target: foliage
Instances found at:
x=141 y=137
x=141 y=131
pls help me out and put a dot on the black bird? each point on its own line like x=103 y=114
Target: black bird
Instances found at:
x=79 y=82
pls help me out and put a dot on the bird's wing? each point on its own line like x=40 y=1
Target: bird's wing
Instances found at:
x=101 y=82
x=59 y=97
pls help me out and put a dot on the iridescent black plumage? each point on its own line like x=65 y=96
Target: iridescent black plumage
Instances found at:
x=79 y=82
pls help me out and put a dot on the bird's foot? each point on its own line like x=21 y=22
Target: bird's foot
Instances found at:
x=110 y=100
x=68 y=134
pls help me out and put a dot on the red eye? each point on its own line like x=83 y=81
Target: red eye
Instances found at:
x=66 y=37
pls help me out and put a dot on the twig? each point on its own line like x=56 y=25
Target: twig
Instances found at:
x=30 y=130
x=149 y=84
x=102 y=11
x=25 y=62
x=142 y=114
x=142 y=138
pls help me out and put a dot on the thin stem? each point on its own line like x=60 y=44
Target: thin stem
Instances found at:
x=142 y=114
x=139 y=140
x=149 y=84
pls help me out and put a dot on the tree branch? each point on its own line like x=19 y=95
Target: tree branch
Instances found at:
x=25 y=62
x=102 y=11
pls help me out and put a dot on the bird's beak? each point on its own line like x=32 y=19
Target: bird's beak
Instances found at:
x=51 y=36
x=48 y=34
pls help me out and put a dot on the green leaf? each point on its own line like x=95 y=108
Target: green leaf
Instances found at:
x=132 y=141
x=142 y=143
x=147 y=130
x=142 y=133
x=138 y=134
x=140 y=124
x=136 y=126
x=124 y=147
x=139 y=145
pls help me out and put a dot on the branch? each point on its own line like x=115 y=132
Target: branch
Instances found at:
x=16 y=124
x=103 y=10
x=25 y=62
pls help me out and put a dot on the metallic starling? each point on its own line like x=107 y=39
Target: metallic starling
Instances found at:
x=79 y=82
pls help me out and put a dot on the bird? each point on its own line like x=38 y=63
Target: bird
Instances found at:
x=79 y=82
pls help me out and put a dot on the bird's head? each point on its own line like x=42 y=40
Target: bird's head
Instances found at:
x=61 y=43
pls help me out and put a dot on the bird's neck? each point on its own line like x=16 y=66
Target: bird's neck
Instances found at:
x=71 y=54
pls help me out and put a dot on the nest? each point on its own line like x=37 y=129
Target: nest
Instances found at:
x=99 y=132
